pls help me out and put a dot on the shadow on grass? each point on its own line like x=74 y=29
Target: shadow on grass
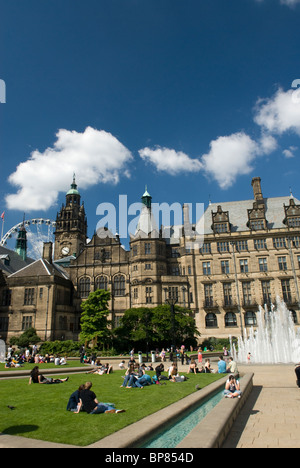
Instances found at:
x=15 y=430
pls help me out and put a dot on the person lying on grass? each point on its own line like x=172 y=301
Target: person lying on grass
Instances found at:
x=36 y=377
x=88 y=402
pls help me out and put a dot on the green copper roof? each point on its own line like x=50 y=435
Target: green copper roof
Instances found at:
x=73 y=190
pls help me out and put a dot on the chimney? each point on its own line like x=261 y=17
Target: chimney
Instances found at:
x=47 y=251
x=258 y=196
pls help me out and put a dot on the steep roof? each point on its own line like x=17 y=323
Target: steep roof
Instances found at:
x=40 y=267
x=238 y=213
x=10 y=261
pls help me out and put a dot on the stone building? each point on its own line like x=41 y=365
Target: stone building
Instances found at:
x=250 y=255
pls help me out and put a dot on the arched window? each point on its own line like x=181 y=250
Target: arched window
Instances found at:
x=211 y=320
x=101 y=282
x=250 y=318
x=230 y=319
x=119 y=285
x=84 y=287
x=294 y=317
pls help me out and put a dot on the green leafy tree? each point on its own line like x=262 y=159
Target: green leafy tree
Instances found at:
x=155 y=326
x=29 y=337
x=94 y=322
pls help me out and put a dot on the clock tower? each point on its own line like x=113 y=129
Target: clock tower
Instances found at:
x=71 y=226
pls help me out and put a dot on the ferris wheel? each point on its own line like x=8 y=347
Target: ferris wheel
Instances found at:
x=39 y=230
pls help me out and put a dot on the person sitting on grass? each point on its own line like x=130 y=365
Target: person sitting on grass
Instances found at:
x=37 y=378
x=74 y=399
x=193 y=367
x=88 y=402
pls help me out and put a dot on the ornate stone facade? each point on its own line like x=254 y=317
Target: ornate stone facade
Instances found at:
x=250 y=255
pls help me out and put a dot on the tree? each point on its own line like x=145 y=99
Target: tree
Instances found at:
x=29 y=337
x=94 y=322
x=155 y=326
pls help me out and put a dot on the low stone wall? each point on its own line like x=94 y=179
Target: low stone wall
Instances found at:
x=209 y=433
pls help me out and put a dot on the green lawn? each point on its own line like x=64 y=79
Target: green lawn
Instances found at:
x=41 y=409
x=51 y=365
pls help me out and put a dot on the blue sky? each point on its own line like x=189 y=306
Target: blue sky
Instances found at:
x=191 y=97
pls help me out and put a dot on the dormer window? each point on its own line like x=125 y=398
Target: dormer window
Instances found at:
x=220 y=220
x=292 y=214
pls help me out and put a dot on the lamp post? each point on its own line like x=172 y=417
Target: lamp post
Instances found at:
x=290 y=242
x=171 y=298
x=237 y=288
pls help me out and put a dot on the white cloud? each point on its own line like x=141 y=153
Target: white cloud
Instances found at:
x=280 y=113
x=94 y=155
x=290 y=3
x=290 y=152
x=229 y=157
x=170 y=161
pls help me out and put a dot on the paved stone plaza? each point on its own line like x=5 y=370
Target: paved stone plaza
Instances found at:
x=271 y=416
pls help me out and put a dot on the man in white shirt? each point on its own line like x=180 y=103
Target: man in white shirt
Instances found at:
x=232 y=366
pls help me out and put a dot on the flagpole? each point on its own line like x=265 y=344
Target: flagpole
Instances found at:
x=2 y=232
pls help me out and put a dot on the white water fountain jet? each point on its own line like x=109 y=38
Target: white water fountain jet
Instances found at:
x=275 y=339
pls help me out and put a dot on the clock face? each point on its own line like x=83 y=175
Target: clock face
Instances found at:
x=65 y=250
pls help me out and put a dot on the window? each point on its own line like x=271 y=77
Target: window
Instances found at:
x=266 y=290
x=247 y=298
x=135 y=293
x=3 y=324
x=206 y=268
x=175 y=252
x=250 y=319
x=84 y=287
x=6 y=297
x=101 y=282
x=286 y=291
x=175 y=270
x=225 y=267
x=208 y=293
x=189 y=270
x=295 y=241
x=148 y=295
x=242 y=245
x=263 y=264
x=223 y=246
x=260 y=244
x=298 y=258
x=294 y=222
x=294 y=316
x=257 y=224
x=211 y=321
x=282 y=263
x=172 y=292
x=206 y=248
x=279 y=242
x=134 y=251
x=29 y=296
x=26 y=322
x=227 y=294
x=41 y=293
x=221 y=227
x=147 y=248
x=230 y=319
x=244 y=266
x=119 y=285
x=148 y=266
